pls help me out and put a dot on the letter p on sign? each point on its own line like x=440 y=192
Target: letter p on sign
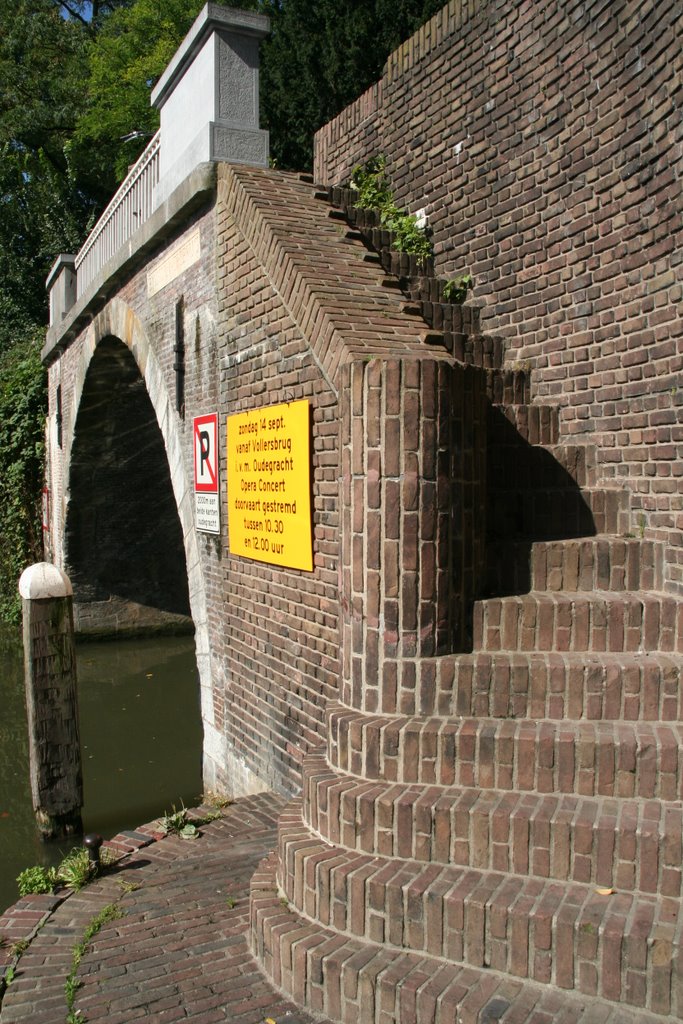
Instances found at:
x=206 y=453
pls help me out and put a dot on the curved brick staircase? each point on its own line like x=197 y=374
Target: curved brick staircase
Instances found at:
x=500 y=839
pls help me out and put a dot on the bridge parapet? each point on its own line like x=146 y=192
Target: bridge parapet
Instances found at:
x=131 y=206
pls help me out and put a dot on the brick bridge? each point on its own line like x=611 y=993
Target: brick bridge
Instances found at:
x=470 y=685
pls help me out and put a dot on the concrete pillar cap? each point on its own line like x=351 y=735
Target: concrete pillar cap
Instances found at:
x=43 y=580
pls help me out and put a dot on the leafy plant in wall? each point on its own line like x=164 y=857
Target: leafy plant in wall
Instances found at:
x=408 y=235
x=456 y=290
x=371 y=183
x=373 y=192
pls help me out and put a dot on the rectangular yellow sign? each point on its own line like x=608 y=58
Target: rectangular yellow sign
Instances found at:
x=269 y=485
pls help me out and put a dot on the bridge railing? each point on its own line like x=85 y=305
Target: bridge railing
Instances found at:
x=130 y=207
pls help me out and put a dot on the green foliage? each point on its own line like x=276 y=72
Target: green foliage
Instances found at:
x=127 y=887
x=176 y=823
x=456 y=290
x=216 y=800
x=373 y=191
x=319 y=57
x=371 y=185
x=45 y=209
x=408 y=236
x=22 y=422
x=76 y=870
x=36 y=880
x=125 y=61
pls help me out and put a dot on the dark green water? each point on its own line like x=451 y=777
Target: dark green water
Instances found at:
x=140 y=737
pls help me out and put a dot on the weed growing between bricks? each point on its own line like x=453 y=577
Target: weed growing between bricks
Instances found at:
x=16 y=951
x=112 y=912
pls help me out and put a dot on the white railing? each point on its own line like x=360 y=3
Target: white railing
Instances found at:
x=130 y=207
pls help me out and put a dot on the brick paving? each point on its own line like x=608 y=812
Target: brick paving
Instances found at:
x=180 y=950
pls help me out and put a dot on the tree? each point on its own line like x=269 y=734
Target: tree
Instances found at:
x=322 y=55
x=125 y=60
x=22 y=419
x=46 y=209
x=43 y=210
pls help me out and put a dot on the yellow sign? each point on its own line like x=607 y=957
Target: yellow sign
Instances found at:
x=269 y=485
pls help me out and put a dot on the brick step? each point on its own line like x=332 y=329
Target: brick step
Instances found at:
x=508 y=387
x=358 y=982
x=583 y=621
x=484 y=351
x=523 y=466
x=477 y=917
x=578 y=563
x=451 y=317
x=430 y=290
x=556 y=513
x=561 y=686
x=473 y=917
x=643 y=760
x=536 y=684
x=627 y=844
x=536 y=424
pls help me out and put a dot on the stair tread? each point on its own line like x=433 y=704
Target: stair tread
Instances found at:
x=629 y=842
x=438 y=723
x=587 y=757
x=585 y=808
x=599 y=563
x=582 y=620
x=425 y=877
x=334 y=966
x=569 y=597
x=572 y=685
x=671 y=658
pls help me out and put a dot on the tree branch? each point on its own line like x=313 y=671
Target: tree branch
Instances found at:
x=73 y=12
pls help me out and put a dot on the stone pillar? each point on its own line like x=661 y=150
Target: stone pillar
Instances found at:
x=61 y=285
x=51 y=701
x=208 y=96
x=413 y=526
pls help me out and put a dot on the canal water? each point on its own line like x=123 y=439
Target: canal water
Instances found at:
x=140 y=736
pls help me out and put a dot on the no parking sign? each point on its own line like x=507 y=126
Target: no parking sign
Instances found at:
x=205 y=442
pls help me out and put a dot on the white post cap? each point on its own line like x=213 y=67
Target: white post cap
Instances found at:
x=43 y=580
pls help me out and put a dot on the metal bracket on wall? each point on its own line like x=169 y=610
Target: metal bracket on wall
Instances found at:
x=179 y=357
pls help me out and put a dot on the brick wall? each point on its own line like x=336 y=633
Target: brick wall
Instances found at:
x=544 y=142
x=284 y=303
x=275 y=630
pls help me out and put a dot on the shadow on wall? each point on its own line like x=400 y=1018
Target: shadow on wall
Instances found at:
x=123 y=534
x=530 y=497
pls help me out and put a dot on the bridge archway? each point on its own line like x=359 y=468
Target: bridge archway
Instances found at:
x=123 y=539
x=127 y=488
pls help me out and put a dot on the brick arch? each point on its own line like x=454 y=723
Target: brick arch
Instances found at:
x=117 y=321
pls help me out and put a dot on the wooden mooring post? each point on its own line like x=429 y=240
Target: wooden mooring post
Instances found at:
x=51 y=700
